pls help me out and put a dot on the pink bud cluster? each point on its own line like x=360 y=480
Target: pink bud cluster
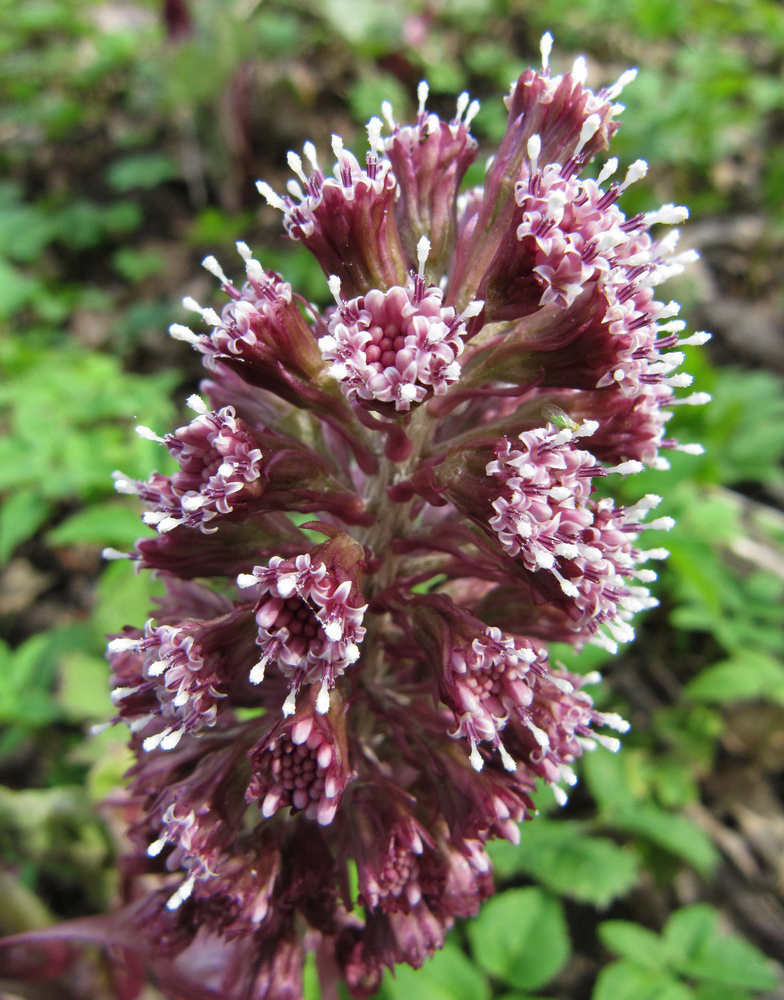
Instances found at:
x=382 y=517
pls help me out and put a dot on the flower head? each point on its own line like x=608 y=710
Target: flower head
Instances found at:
x=392 y=509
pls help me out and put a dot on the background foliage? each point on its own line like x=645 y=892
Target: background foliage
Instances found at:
x=130 y=136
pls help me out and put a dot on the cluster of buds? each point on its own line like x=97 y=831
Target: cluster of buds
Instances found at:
x=383 y=515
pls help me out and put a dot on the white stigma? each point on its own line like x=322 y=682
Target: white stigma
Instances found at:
x=147 y=434
x=667 y=215
x=175 y=901
x=110 y=554
x=337 y=147
x=197 y=404
x=322 y=700
x=208 y=315
x=623 y=81
x=310 y=155
x=534 y=149
x=389 y=117
x=374 y=127
x=423 y=92
x=271 y=197
x=607 y=170
x=334 y=287
x=587 y=132
x=180 y=332
x=636 y=172
x=211 y=264
x=295 y=164
x=546 y=47
x=423 y=252
x=580 y=70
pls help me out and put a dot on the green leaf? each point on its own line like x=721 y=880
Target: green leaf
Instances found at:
x=567 y=861
x=21 y=515
x=688 y=930
x=520 y=937
x=629 y=981
x=16 y=289
x=607 y=777
x=114 y=523
x=675 y=833
x=448 y=975
x=136 y=265
x=83 y=689
x=633 y=942
x=143 y=170
x=697 y=950
x=124 y=597
x=519 y=996
x=718 y=991
x=753 y=674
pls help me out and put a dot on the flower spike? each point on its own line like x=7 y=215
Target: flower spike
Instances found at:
x=382 y=515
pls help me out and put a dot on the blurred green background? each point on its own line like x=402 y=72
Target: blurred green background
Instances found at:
x=130 y=137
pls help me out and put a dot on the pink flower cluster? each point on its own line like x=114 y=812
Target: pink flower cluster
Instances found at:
x=383 y=514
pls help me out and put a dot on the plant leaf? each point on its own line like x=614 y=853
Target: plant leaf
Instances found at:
x=520 y=937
